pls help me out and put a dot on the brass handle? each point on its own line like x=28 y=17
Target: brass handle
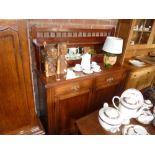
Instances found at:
x=75 y=87
x=109 y=80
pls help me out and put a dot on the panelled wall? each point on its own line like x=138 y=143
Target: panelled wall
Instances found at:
x=62 y=23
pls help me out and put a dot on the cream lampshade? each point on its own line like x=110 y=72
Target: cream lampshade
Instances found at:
x=112 y=47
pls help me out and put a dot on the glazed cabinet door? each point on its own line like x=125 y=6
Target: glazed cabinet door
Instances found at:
x=72 y=101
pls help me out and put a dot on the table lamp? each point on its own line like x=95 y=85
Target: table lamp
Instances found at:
x=112 y=47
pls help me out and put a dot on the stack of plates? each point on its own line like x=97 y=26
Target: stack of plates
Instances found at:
x=136 y=63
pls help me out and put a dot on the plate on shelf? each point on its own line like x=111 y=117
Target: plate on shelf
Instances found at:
x=96 y=71
x=77 y=69
x=88 y=71
x=136 y=63
x=134 y=130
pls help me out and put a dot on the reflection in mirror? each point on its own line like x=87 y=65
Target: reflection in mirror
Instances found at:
x=75 y=53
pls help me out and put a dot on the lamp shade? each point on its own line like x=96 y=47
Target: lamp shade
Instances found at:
x=113 y=45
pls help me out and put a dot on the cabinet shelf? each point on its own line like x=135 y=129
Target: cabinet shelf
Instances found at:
x=140 y=46
x=141 y=31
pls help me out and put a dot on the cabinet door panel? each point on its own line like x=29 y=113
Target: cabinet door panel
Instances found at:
x=13 y=104
x=70 y=109
x=141 y=82
x=140 y=79
x=103 y=95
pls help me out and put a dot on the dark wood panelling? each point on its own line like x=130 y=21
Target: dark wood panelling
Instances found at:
x=16 y=94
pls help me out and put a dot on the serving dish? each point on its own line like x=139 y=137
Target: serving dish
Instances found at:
x=146 y=117
x=134 y=130
x=136 y=63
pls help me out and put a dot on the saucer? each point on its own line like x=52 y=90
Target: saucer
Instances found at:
x=97 y=71
x=88 y=71
x=136 y=63
x=134 y=130
x=77 y=69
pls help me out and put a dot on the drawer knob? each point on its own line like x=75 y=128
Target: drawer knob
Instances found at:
x=109 y=80
x=75 y=88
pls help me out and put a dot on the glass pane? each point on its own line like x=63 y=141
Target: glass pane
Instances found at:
x=135 y=37
x=139 y=24
x=144 y=38
x=137 y=31
x=146 y=31
x=149 y=24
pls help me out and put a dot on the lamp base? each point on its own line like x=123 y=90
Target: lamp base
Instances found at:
x=109 y=59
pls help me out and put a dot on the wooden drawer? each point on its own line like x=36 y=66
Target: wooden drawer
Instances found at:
x=73 y=87
x=108 y=79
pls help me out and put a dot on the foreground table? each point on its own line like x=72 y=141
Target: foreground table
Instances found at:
x=89 y=125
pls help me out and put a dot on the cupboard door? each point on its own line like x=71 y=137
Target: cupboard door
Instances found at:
x=70 y=107
x=16 y=93
x=140 y=79
x=132 y=81
x=103 y=95
x=106 y=87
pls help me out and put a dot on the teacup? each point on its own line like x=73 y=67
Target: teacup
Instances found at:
x=78 y=67
x=72 y=50
x=96 y=68
x=93 y=63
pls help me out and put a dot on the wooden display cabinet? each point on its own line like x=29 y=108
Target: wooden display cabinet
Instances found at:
x=139 y=41
x=138 y=36
x=68 y=100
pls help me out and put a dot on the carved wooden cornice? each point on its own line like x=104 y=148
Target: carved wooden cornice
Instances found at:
x=5 y=27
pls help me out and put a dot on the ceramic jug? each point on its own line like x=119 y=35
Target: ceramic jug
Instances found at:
x=85 y=62
x=130 y=104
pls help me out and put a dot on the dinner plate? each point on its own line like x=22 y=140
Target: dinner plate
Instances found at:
x=136 y=63
x=134 y=130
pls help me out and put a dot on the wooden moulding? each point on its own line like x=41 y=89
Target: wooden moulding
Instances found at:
x=73 y=37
